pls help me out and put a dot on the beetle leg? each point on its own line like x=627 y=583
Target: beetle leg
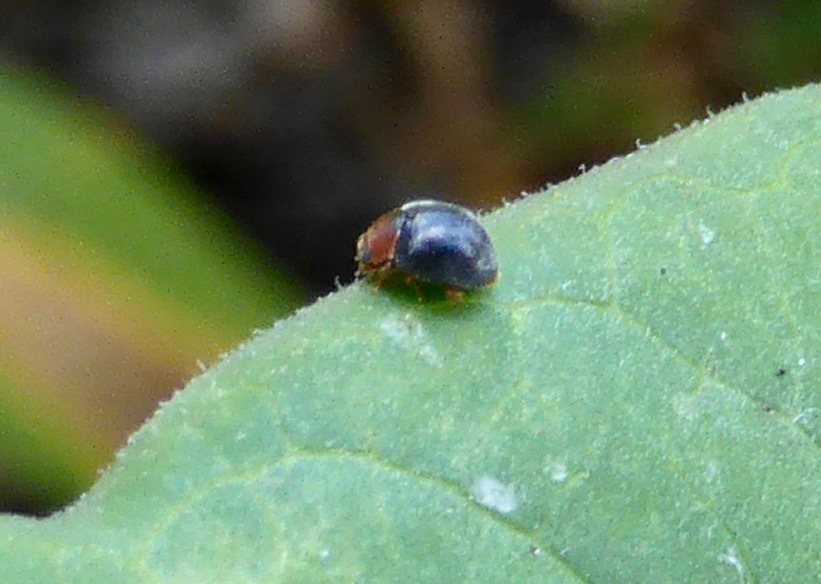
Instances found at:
x=411 y=281
x=454 y=295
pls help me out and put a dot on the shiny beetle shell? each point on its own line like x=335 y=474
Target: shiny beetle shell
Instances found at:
x=430 y=241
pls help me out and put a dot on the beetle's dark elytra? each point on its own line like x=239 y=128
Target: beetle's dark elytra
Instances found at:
x=445 y=244
x=430 y=241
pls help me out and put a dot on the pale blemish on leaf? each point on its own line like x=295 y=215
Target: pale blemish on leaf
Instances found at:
x=707 y=234
x=495 y=495
x=731 y=558
x=686 y=405
x=557 y=471
x=712 y=473
x=408 y=334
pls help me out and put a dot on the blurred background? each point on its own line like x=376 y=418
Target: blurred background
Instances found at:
x=176 y=174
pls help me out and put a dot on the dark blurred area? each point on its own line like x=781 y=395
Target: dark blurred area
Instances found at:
x=307 y=118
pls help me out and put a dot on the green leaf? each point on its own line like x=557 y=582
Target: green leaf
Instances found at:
x=637 y=400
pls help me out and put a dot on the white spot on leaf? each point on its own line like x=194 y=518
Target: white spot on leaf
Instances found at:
x=557 y=471
x=686 y=406
x=712 y=472
x=730 y=557
x=707 y=234
x=408 y=334
x=495 y=495
x=804 y=416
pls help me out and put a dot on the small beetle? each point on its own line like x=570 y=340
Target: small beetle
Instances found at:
x=432 y=242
